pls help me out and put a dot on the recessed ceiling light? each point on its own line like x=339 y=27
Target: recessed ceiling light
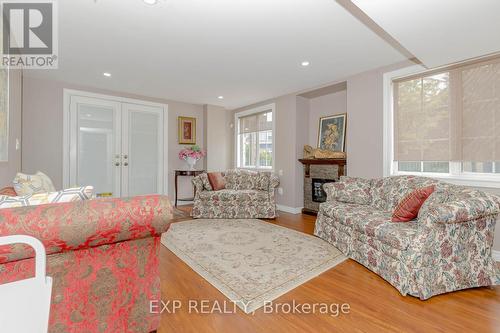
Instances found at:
x=305 y=63
x=220 y=97
x=150 y=2
x=106 y=74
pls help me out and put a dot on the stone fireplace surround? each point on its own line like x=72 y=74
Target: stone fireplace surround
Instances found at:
x=319 y=170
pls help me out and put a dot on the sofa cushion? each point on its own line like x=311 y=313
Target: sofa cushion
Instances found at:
x=388 y=192
x=396 y=235
x=345 y=211
x=371 y=222
x=233 y=195
x=353 y=190
x=241 y=179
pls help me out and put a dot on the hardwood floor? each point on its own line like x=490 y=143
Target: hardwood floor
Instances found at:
x=375 y=306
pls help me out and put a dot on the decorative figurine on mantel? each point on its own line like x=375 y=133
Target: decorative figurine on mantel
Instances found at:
x=313 y=153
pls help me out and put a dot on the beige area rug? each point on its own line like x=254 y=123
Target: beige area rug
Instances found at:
x=250 y=261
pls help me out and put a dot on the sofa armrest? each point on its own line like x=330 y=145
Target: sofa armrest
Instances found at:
x=84 y=224
x=274 y=182
x=198 y=185
x=462 y=211
x=330 y=190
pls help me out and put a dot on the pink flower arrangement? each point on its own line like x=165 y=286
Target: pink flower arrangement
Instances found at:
x=193 y=152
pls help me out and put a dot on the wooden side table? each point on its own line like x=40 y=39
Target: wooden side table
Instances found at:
x=185 y=173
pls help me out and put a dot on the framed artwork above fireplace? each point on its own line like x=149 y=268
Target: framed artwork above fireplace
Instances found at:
x=332 y=132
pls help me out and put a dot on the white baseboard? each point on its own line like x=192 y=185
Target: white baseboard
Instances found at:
x=496 y=255
x=291 y=210
x=184 y=203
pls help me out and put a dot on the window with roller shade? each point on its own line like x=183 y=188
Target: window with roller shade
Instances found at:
x=448 y=121
x=254 y=140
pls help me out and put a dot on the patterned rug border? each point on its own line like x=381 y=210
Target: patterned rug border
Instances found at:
x=251 y=305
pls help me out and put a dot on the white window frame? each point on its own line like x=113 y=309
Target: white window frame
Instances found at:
x=456 y=175
x=268 y=107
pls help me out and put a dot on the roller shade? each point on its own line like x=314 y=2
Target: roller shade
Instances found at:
x=480 y=112
x=256 y=122
x=453 y=115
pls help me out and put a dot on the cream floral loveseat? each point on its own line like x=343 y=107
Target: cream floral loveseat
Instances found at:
x=247 y=194
x=449 y=246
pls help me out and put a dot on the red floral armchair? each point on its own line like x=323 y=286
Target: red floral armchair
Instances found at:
x=102 y=255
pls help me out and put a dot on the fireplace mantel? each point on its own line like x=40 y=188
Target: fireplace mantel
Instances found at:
x=341 y=162
x=315 y=172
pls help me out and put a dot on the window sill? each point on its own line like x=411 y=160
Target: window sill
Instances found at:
x=256 y=169
x=471 y=181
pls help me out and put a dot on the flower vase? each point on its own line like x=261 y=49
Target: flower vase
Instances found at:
x=191 y=161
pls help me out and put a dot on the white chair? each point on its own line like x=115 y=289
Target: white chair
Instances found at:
x=25 y=304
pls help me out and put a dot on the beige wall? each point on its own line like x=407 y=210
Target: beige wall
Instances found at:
x=364 y=142
x=8 y=169
x=288 y=139
x=323 y=106
x=301 y=138
x=43 y=129
x=218 y=134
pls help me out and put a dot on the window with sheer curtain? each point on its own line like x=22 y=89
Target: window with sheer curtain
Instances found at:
x=448 y=121
x=255 y=138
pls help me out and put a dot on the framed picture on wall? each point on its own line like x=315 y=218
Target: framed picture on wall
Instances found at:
x=331 y=134
x=187 y=130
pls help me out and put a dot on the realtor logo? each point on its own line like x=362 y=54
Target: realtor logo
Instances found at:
x=29 y=34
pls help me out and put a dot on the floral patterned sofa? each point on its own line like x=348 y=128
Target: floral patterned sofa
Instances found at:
x=102 y=256
x=247 y=194
x=448 y=247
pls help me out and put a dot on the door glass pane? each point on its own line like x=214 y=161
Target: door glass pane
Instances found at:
x=96 y=149
x=143 y=159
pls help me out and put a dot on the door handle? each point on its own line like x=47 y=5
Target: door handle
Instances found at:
x=125 y=164
x=117 y=163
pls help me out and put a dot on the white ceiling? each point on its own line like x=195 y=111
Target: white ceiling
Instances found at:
x=439 y=32
x=196 y=50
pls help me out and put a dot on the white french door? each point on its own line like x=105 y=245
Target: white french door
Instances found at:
x=115 y=146
x=142 y=150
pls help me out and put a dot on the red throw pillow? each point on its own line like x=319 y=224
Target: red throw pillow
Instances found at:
x=8 y=191
x=408 y=208
x=216 y=180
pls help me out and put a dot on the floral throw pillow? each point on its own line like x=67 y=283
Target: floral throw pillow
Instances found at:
x=353 y=190
x=263 y=181
x=68 y=195
x=206 y=182
x=31 y=184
